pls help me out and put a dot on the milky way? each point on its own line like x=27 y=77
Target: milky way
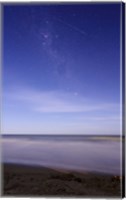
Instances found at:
x=61 y=68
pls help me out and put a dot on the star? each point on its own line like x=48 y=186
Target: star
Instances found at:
x=57 y=36
x=47 y=22
x=75 y=94
x=44 y=43
x=46 y=36
x=74 y=15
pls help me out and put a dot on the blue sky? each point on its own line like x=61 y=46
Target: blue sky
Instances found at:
x=61 y=69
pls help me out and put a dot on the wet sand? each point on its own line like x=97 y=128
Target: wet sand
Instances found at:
x=21 y=180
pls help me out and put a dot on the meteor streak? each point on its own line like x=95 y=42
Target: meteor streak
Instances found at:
x=73 y=27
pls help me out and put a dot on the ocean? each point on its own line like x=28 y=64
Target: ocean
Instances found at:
x=102 y=154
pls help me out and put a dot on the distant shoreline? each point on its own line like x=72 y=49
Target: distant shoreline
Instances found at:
x=60 y=135
x=94 y=137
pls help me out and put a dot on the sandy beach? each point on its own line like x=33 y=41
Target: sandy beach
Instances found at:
x=22 y=180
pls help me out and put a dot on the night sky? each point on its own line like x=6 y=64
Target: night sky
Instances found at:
x=61 y=69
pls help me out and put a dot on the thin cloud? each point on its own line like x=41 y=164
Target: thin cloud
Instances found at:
x=57 y=101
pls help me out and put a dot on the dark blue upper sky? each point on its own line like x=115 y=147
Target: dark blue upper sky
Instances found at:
x=61 y=68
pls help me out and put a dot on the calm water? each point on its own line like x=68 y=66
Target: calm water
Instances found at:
x=94 y=153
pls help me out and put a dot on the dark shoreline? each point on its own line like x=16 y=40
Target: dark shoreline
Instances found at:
x=23 y=180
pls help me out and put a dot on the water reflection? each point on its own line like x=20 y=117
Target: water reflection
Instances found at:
x=89 y=155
